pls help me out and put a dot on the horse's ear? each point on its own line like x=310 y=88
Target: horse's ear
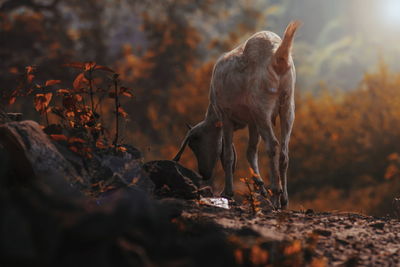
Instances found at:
x=189 y=126
x=281 y=57
x=181 y=149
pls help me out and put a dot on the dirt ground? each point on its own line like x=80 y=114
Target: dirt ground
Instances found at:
x=335 y=239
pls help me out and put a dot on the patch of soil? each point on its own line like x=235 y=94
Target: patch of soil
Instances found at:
x=337 y=239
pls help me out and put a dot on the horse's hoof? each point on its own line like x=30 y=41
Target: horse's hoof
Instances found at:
x=227 y=195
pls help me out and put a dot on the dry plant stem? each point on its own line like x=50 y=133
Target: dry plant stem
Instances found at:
x=116 y=111
x=47 y=118
x=252 y=200
x=45 y=112
x=91 y=90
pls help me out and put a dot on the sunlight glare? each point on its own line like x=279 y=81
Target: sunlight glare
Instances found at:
x=391 y=12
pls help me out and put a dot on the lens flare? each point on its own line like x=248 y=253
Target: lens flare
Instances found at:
x=391 y=12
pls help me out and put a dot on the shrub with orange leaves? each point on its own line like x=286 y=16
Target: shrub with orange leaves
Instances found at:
x=74 y=122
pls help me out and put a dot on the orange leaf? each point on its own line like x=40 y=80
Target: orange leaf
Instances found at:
x=258 y=256
x=293 y=248
x=13 y=70
x=11 y=100
x=63 y=91
x=393 y=156
x=42 y=101
x=78 y=98
x=79 y=80
x=253 y=173
x=30 y=77
x=100 y=144
x=39 y=101
x=58 y=137
x=70 y=114
x=73 y=149
x=76 y=140
x=122 y=112
x=121 y=148
x=105 y=68
x=48 y=97
x=270 y=193
x=89 y=65
x=238 y=256
x=30 y=69
x=125 y=91
x=52 y=82
x=391 y=171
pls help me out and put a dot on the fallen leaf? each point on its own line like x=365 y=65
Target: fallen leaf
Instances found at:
x=293 y=248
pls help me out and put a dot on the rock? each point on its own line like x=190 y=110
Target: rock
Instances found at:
x=14 y=116
x=9 y=116
x=172 y=206
x=206 y=191
x=172 y=179
x=121 y=170
x=32 y=154
x=322 y=232
x=379 y=225
x=309 y=211
x=342 y=242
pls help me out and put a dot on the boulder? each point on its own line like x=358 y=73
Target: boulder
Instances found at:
x=123 y=169
x=171 y=179
x=32 y=154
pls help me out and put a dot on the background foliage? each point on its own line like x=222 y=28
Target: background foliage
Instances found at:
x=344 y=149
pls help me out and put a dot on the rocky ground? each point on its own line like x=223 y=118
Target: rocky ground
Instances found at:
x=336 y=239
x=58 y=208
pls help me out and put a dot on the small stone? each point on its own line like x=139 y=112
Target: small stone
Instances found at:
x=379 y=225
x=309 y=212
x=342 y=242
x=182 y=182
x=322 y=232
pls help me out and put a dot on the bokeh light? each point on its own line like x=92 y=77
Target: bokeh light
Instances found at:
x=391 y=12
